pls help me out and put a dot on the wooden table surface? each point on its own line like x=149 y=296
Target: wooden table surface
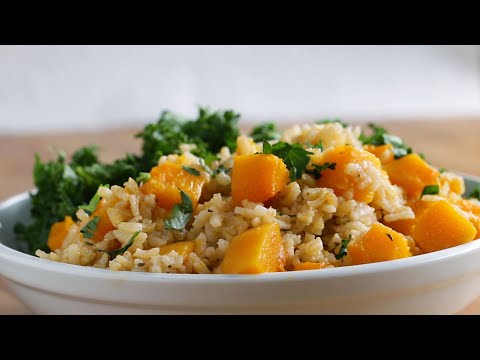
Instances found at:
x=452 y=143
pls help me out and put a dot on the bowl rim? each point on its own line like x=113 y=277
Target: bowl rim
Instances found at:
x=8 y=254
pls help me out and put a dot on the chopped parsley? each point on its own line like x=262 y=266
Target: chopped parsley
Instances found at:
x=431 y=190
x=316 y=172
x=475 y=193
x=191 y=170
x=89 y=229
x=442 y=170
x=294 y=156
x=143 y=177
x=343 y=248
x=380 y=137
x=219 y=170
x=389 y=236
x=114 y=253
x=266 y=131
x=90 y=208
x=332 y=121
x=319 y=145
x=181 y=214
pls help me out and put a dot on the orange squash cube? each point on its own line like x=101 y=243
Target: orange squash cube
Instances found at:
x=341 y=182
x=441 y=226
x=181 y=248
x=166 y=182
x=383 y=152
x=380 y=243
x=257 y=177
x=308 y=266
x=412 y=173
x=255 y=251
x=58 y=232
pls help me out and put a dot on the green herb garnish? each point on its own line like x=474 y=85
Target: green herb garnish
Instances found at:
x=89 y=229
x=266 y=131
x=181 y=213
x=332 y=121
x=430 y=190
x=475 y=193
x=319 y=145
x=114 y=253
x=316 y=172
x=90 y=208
x=381 y=137
x=143 y=177
x=343 y=248
x=294 y=156
x=442 y=170
x=220 y=169
x=389 y=236
x=191 y=170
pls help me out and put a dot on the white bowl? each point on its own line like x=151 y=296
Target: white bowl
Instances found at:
x=442 y=282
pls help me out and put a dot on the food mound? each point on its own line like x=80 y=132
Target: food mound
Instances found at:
x=211 y=200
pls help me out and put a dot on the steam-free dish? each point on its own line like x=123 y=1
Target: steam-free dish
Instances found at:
x=204 y=198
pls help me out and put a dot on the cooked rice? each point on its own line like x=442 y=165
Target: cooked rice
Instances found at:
x=313 y=220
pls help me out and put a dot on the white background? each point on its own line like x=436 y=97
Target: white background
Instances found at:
x=58 y=88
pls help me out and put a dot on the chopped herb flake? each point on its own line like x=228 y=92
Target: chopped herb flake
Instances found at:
x=181 y=213
x=114 y=253
x=343 y=248
x=90 y=208
x=294 y=156
x=442 y=170
x=319 y=145
x=89 y=229
x=316 y=172
x=381 y=137
x=143 y=177
x=431 y=190
x=389 y=236
x=191 y=170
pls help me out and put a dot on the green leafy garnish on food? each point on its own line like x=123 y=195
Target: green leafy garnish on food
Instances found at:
x=380 y=136
x=343 y=249
x=191 y=170
x=316 y=172
x=181 y=214
x=475 y=193
x=319 y=145
x=266 y=131
x=143 y=177
x=332 y=121
x=62 y=186
x=294 y=156
x=442 y=170
x=89 y=229
x=90 y=208
x=219 y=170
x=113 y=253
x=389 y=236
x=431 y=190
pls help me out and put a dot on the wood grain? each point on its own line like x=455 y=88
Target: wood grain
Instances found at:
x=451 y=143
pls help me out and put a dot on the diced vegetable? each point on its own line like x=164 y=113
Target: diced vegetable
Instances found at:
x=255 y=251
x=338 y=179
x=380 y=243
x=471 y=209
x=181 y=248
x=441 y=226
x=383 y=152
x=257 y=177
x=167 y=179
x=308 y=266
x=412 y=173
x=58 y=231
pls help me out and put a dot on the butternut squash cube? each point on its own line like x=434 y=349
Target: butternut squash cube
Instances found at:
x=380 y=243
x=167 y=181
x=255 y=251
x=383 y=152
x=181 y=248
x=104 y=225
x=58 y=232
x=257 y=177
x=412 y=173
x=339 y=180
x=441 y=226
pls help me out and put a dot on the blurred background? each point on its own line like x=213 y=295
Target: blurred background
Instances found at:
x=45 y=89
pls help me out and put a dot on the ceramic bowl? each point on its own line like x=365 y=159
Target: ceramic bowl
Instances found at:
x=442 y=282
